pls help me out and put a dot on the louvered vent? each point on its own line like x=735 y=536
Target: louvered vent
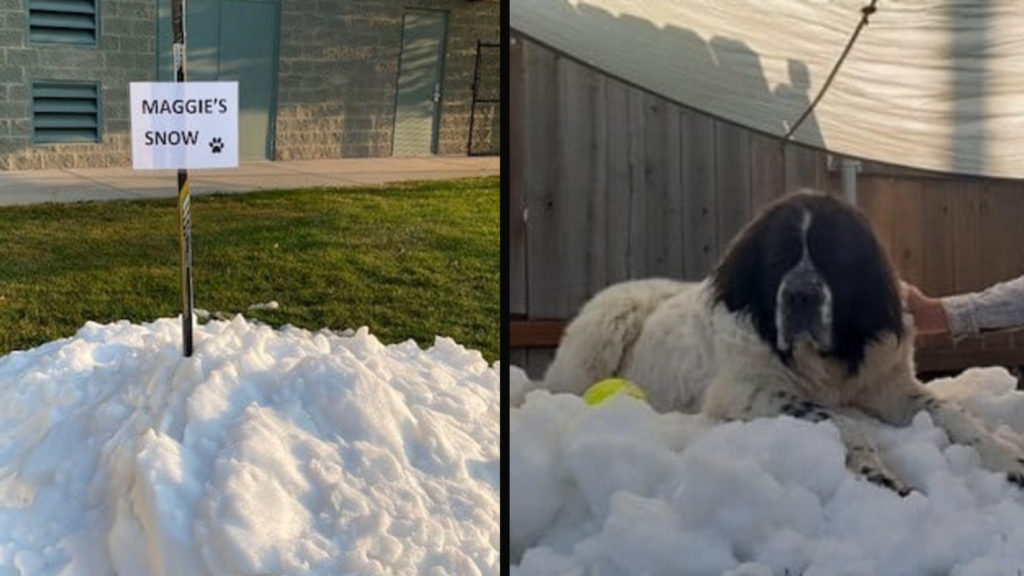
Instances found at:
x=65 y=112
x=69 y=21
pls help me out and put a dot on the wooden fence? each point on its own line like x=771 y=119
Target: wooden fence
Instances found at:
x=609 y=182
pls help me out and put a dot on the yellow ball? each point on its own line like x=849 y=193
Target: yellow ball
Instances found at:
x=609 y=387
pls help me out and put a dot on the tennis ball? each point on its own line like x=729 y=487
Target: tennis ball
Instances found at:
x=609 y=387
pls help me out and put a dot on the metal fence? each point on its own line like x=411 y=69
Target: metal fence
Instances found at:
x=485 y=111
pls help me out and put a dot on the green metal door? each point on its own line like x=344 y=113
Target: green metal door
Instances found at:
x=420 y=70
x=232 y=40
x=248 y=53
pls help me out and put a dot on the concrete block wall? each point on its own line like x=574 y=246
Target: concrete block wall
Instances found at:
x=337 y=78
x=124 y=53
x=338 y=74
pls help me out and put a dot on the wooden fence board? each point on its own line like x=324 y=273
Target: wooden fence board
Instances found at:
x=968 y=267
x=672 y=209
x=575 y=183
x=684 y=232
x=546 y=296
x=700 y=235
x=767 y=171
x=595 y=198
x=937 y=244
x=732 y=182
x=636 y=102
x=655 y=184
x=908 y=244
x=872 y=199
x=519 y=153
x=803 y=168
x=618 y=184
x=1003 y=234
x=1014 y=251
x=988 y=211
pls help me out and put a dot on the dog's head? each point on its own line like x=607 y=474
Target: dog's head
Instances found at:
x=809 y=270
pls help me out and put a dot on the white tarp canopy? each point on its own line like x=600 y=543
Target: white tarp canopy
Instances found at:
x=937 y=85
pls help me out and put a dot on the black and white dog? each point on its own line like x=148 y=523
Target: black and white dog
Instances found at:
x=802 y=316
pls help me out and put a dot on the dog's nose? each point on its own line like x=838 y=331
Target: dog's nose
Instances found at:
x=804 y=313
x=803 y=299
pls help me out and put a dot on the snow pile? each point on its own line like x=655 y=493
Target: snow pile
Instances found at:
x=618 y=489
x=267 y=452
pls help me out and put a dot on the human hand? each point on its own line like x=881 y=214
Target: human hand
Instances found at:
x=929 y=315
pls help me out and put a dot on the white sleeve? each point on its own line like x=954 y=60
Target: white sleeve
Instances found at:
x=999 y=306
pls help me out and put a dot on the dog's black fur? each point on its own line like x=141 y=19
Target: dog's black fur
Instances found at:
x=845 y=252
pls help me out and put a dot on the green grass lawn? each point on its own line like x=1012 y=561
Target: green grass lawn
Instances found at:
x=409 y=261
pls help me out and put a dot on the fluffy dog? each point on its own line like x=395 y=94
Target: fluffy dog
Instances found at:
x=802 y=316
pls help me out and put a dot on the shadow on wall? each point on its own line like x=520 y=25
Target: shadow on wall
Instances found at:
x=733 y=68
x=969 y=88
x=728 y=66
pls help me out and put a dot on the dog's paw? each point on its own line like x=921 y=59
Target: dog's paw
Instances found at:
x=1015 y=475
x=1000 y=456
x=886 y=480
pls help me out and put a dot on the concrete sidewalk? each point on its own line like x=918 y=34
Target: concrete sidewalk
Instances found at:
x=37 y=186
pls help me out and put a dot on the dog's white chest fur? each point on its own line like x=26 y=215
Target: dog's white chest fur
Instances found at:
x=683 y=346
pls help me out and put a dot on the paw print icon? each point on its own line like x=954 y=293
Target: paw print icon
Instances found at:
x=216 y=145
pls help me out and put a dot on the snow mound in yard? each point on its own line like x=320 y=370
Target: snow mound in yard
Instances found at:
x=267 y=452
x=619 y=489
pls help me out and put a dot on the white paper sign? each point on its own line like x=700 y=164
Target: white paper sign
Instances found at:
x=184 y=125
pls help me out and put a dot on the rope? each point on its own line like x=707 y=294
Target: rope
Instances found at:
x=866 y=12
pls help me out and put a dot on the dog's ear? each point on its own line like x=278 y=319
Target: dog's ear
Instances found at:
x=735 y=277
x=751 y=268
x=865 y=289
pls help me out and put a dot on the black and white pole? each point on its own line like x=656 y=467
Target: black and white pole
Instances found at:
x=184 y=200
